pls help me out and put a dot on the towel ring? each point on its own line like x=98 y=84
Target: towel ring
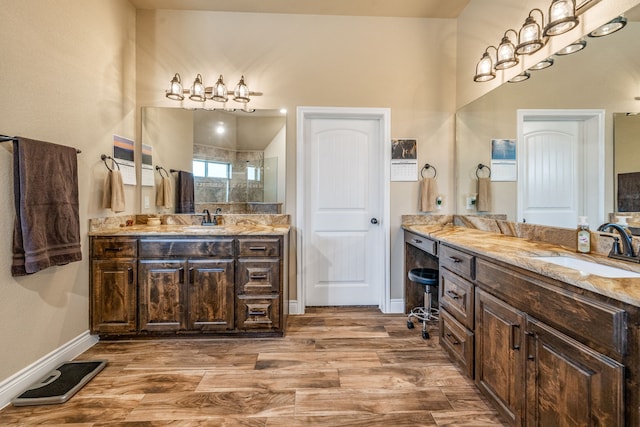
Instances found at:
x=480 y=167
x=104 y=158
x=428 y=166
x=160 y=169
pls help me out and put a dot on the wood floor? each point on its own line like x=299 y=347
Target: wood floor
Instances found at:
x=335 y=367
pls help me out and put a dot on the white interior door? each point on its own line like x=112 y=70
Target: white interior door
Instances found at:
x=552 y=171
x=343 y=240
x=560 y=167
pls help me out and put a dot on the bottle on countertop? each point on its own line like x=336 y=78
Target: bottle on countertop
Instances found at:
x=583 y=235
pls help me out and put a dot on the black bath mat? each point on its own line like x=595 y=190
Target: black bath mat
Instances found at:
x=61 y=383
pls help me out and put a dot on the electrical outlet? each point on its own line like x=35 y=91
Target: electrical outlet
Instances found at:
x=146 y=202
x=471 y=202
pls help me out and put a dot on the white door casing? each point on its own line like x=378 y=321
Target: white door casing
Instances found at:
x=343 y=258
x=560 y=166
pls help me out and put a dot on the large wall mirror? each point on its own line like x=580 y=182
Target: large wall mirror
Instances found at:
x=237 y=158
x=603 y=76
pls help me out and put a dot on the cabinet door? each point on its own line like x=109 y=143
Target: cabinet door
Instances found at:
x=499 y=361
x=211 y=295
x=568 y=383
x=162 y=297
x=113 y=297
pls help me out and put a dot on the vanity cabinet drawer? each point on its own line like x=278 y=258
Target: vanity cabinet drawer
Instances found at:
x=194 y=248
x=599 y=325
x=258 y=247
x=457 y=341
x=114 y=248
x=423 y=243
x=260 y=276
x=258 y=313
x=456 y=296
x=458 y=261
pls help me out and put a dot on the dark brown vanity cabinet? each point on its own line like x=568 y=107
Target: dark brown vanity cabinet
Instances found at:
x=186 y=285
x=546 y=355
x=113 y=306
x=258 y=305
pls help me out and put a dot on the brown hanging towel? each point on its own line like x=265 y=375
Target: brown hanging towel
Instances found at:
x=47 y=225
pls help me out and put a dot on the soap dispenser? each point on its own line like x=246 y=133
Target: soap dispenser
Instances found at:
x=583 y=235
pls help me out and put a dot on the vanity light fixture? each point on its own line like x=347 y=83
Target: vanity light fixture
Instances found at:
x=610 y=27
x=484 y=69
x=197 y=90
x=545 y=63
x=506 y=55
x=175 y=91
x=574 y=47
x=529 y=37
x=200 y=93
x=520 y=77
x=562 y=17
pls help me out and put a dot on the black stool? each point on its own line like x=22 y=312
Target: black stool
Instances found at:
x=427 y=277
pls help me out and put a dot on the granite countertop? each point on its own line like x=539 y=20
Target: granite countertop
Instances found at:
x=519 y=252
x=193 y=230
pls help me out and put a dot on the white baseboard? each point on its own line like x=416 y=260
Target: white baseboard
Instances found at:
x=17 y=383
x=396 y=306
x=293 y=307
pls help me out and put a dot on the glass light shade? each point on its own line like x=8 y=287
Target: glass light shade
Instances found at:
x=506 y=56
x=610 y=27
x=197 y=90
x=484 y=69
x=241 y=92
x=545 y=63
x=220 y=91
x=562 y=17
x=520 y=77
x=175 y=89
x=529 y=40
x=572 y=48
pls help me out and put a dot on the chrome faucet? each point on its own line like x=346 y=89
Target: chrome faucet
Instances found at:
x=207 y=218
x=628 y=253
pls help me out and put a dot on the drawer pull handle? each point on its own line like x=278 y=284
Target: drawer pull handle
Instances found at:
x=418 y=241
x=453 y=295
x=455 y=259
x=257 y=313
x=258 y=276
x=118 y=249
x=452 y=339
x=257 y=248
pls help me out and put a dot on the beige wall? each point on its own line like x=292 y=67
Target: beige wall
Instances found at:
x=404 y=64
x=67 y=77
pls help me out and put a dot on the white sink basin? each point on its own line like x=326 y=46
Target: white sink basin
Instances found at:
x=587 y=267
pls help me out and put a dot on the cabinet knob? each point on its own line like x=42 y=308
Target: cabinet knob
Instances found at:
x=374 y=221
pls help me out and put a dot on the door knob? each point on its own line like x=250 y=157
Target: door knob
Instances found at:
x=374 y=221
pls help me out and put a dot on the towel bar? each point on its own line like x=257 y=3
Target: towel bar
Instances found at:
x=9 y=148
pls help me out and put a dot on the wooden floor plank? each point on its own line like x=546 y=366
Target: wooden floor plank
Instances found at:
x=337 y=367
